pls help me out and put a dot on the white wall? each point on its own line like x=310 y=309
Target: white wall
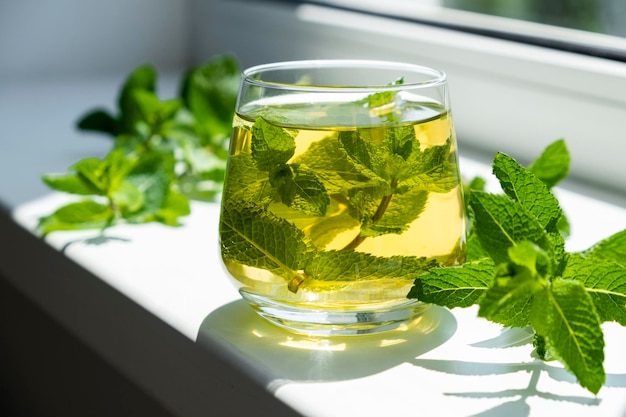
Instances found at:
x=68 y=37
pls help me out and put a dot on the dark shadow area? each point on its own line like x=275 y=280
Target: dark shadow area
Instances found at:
x=286 y=356
x=46 y=371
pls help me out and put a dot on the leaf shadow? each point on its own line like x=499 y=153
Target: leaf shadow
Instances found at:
x=98 y=240
x=518 y=406
x=289 y=357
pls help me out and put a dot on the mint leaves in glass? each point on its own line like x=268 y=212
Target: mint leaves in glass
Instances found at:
x=342 y=187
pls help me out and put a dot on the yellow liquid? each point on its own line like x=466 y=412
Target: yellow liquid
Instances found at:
x=437 y=233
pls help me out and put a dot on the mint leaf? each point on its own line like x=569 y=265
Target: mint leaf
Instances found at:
x=474 y=250
x=142 y=78
x=565 y=316
x=210 y=92
x=86 y=214
x=532 y=259
x=174 y=206
x=383 y=98
x=304 y=192
x=402 y=210
x=612 y=248
x=152 y=176
x=552 y=166
x=272 y=146
x=365 y=156
x=524 y=187
x=507 y=301
x=246 y=182
x=91 y=170
x=400 y=141
x=355 y=266
x=501 y=223
x=431 y=169
x=254 y=237
x=155 y=113
x=127 y=197
x=534 y=280
x=455 y=286
x=71 y=183
x=605 y=281
x=116 y=165
x=330 y=163
x=99 y=121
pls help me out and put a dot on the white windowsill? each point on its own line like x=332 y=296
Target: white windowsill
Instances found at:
x=451 y=361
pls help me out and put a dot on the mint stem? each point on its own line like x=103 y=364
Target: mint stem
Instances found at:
x=380 y=211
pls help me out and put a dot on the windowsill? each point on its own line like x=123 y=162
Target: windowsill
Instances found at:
x=141 y=298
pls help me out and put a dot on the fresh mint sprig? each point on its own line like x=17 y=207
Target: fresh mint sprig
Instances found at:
x=519 y=273
x=163 y=153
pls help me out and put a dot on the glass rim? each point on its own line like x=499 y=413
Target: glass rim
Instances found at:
x=438 y=77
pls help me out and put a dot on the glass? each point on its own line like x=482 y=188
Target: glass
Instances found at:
x=342 y=186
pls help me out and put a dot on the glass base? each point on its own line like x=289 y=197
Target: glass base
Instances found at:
x=335 y=322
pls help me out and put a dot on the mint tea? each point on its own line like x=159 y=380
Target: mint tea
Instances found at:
x=336 y=206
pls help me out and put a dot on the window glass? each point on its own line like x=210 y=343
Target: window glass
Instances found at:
x=590 y=27
x=600 y=16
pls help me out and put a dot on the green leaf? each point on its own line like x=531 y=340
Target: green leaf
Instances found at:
x=553 y=164
x=605 y=281
x=116 y=165
x=501 y=223
x=565 y=316
x=507 y=301
x=612 y=248
x=71 y=183
x=356 y=266
x=400 y=141
x=202 y=160
x=305 y=192
x=127 y=197
x=402 y=210
x=86 y=214
x=474 y=250
x=252 y=236
x=271 y=145
x=142 y=78
x=524 y=187
x=245 y=182
x=152 y=176
x=210 y=92
x=383 y=98
x=91 y=170
x=455 y=286
x=99 y=121
x=175 y=205
x=152 y=110
x=365 y=155
x=431 y=169
x=330 y=163
x=530 y=257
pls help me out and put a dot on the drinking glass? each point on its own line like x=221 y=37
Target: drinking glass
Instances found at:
x=342 y=187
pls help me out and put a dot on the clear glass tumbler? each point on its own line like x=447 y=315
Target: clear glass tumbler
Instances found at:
x=342 y=187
